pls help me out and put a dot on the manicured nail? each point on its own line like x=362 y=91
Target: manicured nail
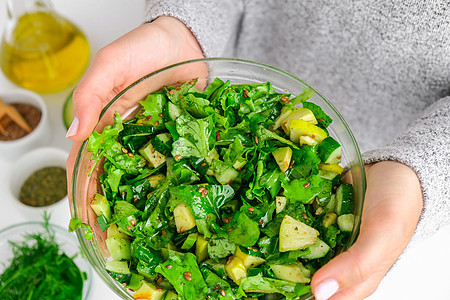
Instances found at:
x=73 y=129
x=326 y=289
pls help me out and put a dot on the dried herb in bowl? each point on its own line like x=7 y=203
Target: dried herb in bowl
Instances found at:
x=40 y=270
x=44 y=187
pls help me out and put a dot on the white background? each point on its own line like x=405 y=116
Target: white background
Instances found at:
x=421 y=273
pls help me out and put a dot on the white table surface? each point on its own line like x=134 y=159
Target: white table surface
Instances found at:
x=422 y=273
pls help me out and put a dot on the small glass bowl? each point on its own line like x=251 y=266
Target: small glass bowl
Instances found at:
x=66 y=241
x=206 y=70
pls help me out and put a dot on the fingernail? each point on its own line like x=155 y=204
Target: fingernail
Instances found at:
x=73 y=129
x=326 y=289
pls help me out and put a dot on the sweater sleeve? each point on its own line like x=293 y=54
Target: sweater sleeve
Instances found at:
x=214 y=23
x=425 y=147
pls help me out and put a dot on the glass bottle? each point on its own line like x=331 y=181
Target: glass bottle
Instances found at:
x=41 y=50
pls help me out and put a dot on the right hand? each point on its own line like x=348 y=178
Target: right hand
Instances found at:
x=145 y=49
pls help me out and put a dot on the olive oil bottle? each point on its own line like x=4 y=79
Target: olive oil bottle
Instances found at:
x=41 y=50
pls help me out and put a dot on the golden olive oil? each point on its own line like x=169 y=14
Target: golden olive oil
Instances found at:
x=44 y=53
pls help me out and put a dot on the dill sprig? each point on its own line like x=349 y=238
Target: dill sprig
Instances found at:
x=39 y=270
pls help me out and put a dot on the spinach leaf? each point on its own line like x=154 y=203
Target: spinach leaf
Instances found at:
x=196 y=136
x=322 y=118
x=152 y=108
x=148 y=258
x=202 y=199
x=303 y=190
x=220 y=248
x=244 y=231
x=182 y=270
x=218 y=288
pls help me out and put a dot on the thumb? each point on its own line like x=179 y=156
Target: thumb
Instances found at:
x=354 y=274
x=392 y=207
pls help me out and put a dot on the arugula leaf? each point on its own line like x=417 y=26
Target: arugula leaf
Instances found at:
x=195 y=138
x=182 y=271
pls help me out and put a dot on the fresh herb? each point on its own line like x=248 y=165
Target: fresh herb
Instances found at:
x=40 y=270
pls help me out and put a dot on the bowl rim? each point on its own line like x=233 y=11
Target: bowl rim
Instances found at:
x=57 y=228
x=83 y=146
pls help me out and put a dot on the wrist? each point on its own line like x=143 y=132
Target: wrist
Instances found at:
x=185 y=45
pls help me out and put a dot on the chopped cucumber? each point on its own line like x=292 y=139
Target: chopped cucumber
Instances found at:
x=280 y=203
x=330 y=151
x=118 y=248
x=149 y=291
x=318 y=250
x=170 y=296
x=295 y=235
x=114 y=231
x=299 y=113
x=100 y=206
x=344 y=199
x=329 y=219
x=235 y=269
x=332 y=203
x=346 y=222
x=331 y=168
x=190 y=241
x=300 y=128
x=201 y=248
x=115 y=266
x=153 y=157
x=249 y=261
x=155 y=179
x=283 y=157
x=291 y=272
x=184 y=218
x=172 y=112
x=163 y=143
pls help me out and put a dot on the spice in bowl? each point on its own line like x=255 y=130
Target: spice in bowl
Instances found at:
x=17 y=120
x=44 y=187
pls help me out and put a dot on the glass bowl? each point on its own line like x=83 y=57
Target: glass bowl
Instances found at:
x=67 y=243
x=238 y=72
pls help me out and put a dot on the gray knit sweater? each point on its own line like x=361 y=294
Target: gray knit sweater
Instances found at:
x=384 y=64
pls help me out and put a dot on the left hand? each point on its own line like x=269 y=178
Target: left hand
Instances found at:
x=392 y=207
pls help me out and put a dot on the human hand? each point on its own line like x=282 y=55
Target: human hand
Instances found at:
x=392 y=207
x=145 y=49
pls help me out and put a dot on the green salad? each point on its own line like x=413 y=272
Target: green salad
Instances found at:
x=232 y=192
